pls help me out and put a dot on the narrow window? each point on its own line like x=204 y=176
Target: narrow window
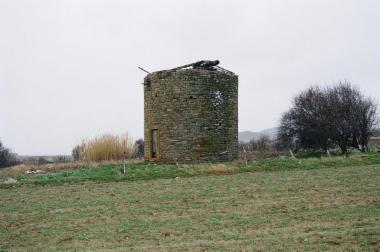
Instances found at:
x=154 y=143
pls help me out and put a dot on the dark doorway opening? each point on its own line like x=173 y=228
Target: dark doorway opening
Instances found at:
x=154 y=150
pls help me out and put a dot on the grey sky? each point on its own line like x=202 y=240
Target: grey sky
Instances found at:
x=68 y=69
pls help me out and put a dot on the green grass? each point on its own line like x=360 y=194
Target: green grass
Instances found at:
x=148 y=171
x=277 y=204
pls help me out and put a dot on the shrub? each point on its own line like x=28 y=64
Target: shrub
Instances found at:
x=7 y=158
x=139 y=145
x=42 y=160
x=107 y=148
x=76 y=152
x=264 y=143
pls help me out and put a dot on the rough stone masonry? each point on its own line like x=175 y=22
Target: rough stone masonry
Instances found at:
x=191 y=115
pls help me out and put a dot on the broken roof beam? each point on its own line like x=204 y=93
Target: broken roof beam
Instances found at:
x=207 y=64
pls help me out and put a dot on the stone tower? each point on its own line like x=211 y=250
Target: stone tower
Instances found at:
x=191 y=115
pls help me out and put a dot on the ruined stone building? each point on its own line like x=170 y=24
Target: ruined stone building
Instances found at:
x=191 y=114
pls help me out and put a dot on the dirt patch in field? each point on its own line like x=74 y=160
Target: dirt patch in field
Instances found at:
x=219 y=169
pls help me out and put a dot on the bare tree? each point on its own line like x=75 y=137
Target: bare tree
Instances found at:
x=264 y=144
x=353 y=116
x=323 y=118
x=306 y=125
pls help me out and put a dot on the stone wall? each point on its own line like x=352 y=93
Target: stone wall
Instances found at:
x=196 y=114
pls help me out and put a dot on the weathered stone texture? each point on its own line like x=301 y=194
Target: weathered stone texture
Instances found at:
x=196 y=114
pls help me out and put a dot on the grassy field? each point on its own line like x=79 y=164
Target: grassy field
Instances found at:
x=325 y=204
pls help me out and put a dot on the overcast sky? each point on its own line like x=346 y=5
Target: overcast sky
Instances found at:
x=68 y=69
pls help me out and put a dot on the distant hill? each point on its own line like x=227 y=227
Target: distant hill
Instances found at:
x=246 y=136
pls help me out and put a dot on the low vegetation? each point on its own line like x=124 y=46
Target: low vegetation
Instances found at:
x=276 y=204
x=261 y=148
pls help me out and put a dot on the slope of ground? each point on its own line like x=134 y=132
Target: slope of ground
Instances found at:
x=312 y=209
x=17 y=175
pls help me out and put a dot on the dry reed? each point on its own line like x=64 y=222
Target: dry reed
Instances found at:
x=107 y=148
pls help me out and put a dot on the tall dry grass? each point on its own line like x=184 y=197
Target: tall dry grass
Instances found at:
x=107 y=148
